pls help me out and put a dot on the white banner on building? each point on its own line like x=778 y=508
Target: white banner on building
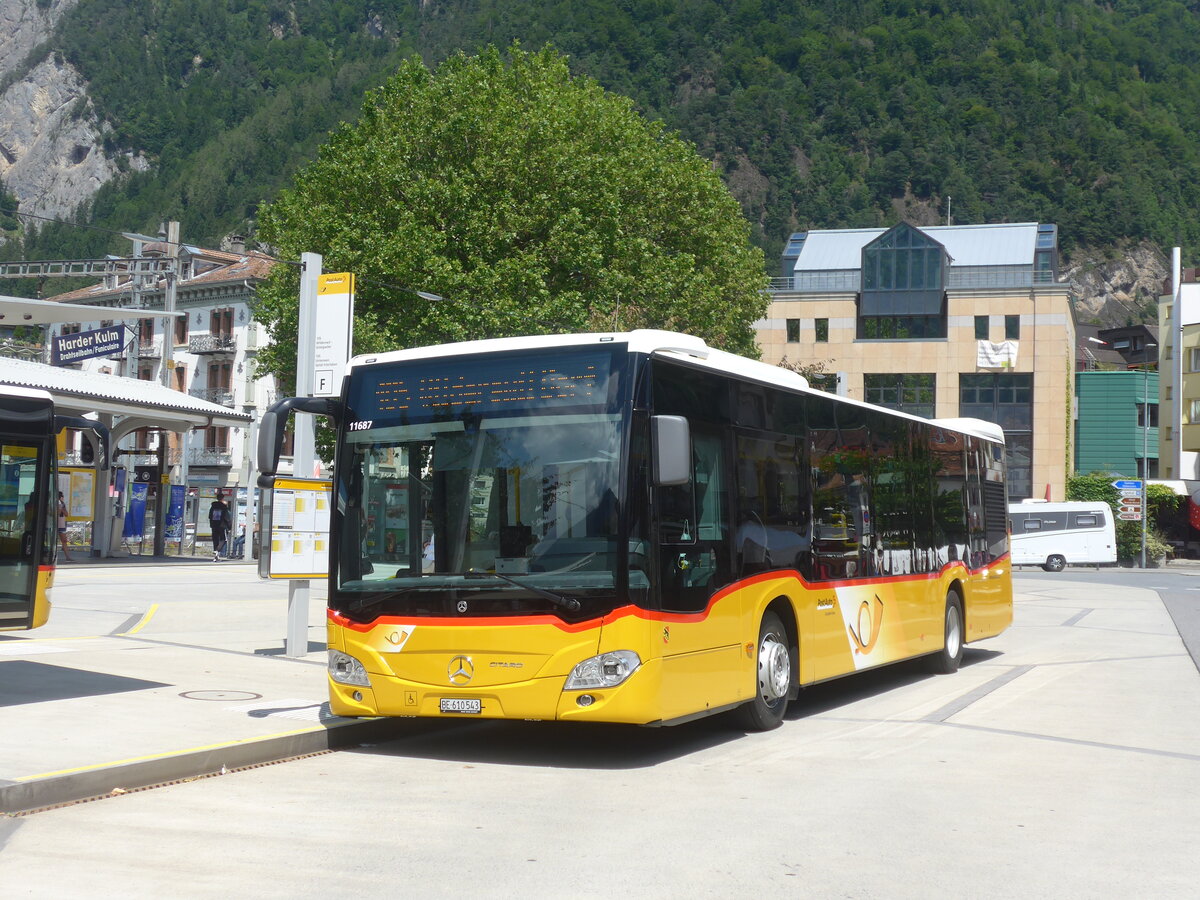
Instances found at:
x=997 y=356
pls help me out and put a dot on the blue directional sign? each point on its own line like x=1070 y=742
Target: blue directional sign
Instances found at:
x=1128 y=485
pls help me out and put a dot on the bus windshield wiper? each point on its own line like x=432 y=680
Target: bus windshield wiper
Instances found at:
x=570 y=604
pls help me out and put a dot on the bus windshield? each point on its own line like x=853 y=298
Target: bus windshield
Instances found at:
x=506 y=510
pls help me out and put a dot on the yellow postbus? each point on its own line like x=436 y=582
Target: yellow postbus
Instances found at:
x=635 y=527
x=28 y=501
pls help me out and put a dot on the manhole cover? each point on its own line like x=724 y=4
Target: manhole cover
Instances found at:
x=221 y=695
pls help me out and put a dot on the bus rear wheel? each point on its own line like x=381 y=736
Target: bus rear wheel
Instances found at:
x=773 y=677
x=1055 y=563
x=949 y=658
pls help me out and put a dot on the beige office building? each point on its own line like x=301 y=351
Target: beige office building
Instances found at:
x=942 y=322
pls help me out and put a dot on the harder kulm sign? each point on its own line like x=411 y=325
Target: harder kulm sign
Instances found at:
x=72 y=348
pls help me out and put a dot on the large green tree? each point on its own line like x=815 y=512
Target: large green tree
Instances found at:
x=533 y=201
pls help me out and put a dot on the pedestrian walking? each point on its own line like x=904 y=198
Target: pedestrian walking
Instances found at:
x=62 y=525
x=219 y=519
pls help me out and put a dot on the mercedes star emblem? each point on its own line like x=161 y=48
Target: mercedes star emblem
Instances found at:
x=462 y=606
x=460 y=670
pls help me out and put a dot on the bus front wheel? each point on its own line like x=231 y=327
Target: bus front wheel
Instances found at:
x=772 y=677
x=947 y=659
x=1055 y=563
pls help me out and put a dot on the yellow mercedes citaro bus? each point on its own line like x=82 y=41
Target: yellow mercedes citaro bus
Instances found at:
x=28 y=498
x=639 y=528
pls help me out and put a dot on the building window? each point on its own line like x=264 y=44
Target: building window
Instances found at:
x=181 y=331
x=220 y=376
x=1194 y=359
x=145 y=373
x=217 y=438
x=1007 y=400
x=1147 y=468
x=903 y=287
x=221 y=322
x=821 y=326
x=71 y=328
x=910 y=393
x=793 y=331
x=1153 y=410
x=981 y=328
x=1012 y=328
x=1193 y=413
x=901 y=328
x=1167 y=433
x=181 y=379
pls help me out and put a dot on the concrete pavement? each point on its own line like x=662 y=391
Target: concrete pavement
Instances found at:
x=150 y=673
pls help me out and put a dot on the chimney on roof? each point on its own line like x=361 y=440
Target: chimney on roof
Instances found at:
x=237 y=243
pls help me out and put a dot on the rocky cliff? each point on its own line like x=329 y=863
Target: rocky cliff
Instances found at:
x=1113 y=288
x=51 y=145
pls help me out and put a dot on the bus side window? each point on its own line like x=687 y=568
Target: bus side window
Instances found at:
x=693 y=529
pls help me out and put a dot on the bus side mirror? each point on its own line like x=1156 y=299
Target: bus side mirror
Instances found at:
x=671 y=442
x=273 y=423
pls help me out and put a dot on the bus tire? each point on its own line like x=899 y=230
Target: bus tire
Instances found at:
x=772 y=677
x=949 y=658
x=1055 y=563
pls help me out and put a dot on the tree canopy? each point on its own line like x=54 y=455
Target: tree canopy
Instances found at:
x=534 y=202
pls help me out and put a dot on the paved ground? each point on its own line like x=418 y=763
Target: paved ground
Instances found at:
x=1063 y=760
x=154 y=672
x=148 y=673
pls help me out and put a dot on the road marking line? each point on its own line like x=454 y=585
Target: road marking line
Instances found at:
x=167 y=754
x=145 y=621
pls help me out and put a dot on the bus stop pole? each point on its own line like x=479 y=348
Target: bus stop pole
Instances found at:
x=304 y=454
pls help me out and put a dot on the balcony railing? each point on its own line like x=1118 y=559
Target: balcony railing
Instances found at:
x=212 y=343
x=213 y=395
x=21 y=350
x=149 y=349
x=210 y=456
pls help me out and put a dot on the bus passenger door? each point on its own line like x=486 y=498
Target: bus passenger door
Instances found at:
x=700 y=651
x=21 y=535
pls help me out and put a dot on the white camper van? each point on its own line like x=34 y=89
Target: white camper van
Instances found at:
x=1054 y=535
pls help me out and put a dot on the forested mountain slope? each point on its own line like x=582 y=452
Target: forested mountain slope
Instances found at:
x=823 y=114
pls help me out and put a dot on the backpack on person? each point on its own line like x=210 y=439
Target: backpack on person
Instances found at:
x=218 y=515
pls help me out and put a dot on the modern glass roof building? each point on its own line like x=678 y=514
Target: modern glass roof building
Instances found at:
x=945 y=321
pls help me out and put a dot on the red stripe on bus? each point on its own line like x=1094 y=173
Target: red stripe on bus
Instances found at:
x=649 y=614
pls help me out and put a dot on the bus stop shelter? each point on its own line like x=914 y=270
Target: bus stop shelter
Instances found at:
x=123 y=405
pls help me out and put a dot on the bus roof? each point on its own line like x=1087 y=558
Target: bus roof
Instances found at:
x=667 y=344
x=11 y=390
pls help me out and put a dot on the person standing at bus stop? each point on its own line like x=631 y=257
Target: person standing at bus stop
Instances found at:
x=62 y=525
x=218 y=520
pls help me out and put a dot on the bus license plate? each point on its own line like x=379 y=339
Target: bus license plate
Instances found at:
x=459 y=705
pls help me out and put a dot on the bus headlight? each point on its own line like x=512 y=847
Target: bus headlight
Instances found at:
x=603 y=671
x=346 y=669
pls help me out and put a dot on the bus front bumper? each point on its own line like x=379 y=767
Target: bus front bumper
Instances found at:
x=633 y=701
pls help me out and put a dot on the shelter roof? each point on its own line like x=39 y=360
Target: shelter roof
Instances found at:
x=91 y=392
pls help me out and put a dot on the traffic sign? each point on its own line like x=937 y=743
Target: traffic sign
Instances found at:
x=1130 y=516
x=1131 y=504
x=1127 y=484
x=1125 y=492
